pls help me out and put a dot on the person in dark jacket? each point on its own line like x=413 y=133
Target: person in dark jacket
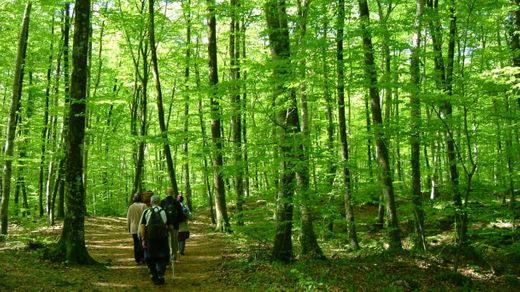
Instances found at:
x=156 y=251
x=173 y=221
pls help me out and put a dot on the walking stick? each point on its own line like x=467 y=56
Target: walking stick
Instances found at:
x=173 y=268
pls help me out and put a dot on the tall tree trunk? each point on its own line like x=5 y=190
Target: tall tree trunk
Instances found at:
x=207 y=186
x=244 y=108
x=45 y=126
x=216 y=129
x=444 y=77
x=415 y=126
x=142 y=96
x=23 y=134
x=287 y=126
x=12 y=121
x=386 y=79
x=60 y=171
x=140 y=104
x=379 y=131
x=236 y=118
x=72 y=241
x=160 y=108
x=52 y=136
x=185 y=149
x=349 y=212
x=397 y=126
x=308 y=241
x=515 y=48
x=332 y=161
x=332 y=165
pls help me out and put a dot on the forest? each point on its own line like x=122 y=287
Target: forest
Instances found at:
x=326 y=145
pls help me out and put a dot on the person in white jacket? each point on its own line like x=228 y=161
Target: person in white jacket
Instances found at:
x=133 y=216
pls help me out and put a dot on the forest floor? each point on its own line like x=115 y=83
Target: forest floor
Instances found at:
x=240 y=262
x=21 y=269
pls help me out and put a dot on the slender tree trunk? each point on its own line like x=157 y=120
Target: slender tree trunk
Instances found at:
x=236 y=118
x=72 y=241
x=349 y=212
x=332 y=163
x=207 y=186
x=387 y=63
x=12 y=121
x=216 y=129
x=23 y=134
x=308 y=241
x=379 y=131
x=244 y=109
x=332 y=166
x=143 y=96
x=515 y=48
x=415 y=119
x=45 y=126
x=53 y=185
x=185 y=149
x=444 y=81
x=397 y=126
x=140 y=104
x=160 y=108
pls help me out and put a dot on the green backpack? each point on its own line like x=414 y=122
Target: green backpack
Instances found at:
x=155 y=227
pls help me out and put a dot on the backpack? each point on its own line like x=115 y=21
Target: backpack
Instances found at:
x=185 y=213
x=155 y=227
x=171 y=212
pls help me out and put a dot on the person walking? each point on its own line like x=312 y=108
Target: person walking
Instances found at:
x=154 y=236
x=174 y=212
x=135 y=211
x=184 y=231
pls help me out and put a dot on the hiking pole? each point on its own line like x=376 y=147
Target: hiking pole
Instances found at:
x=173 y=268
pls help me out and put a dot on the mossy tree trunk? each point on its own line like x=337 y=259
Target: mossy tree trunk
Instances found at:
x=72 y=241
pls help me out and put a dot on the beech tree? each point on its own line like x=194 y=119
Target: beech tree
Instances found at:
x=313 y=118
x=72 y=241
x=13 y=119
x=379 y=131
x=216 y=129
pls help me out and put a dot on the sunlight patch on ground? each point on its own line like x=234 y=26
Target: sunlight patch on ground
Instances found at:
x=111 y=234
x=108 y=246
x=124 y=267
x=481 y=275
x=112 y=285
x=56 y=229
x=112 y=241
x=114 y=255
x=500 y=224
x=98 y=220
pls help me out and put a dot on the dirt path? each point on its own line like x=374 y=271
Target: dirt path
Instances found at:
x=108 y=242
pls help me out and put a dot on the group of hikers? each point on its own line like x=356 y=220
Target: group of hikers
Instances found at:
x=159 y=229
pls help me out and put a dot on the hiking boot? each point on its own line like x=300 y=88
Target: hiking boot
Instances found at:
x=156 y=280
x=161 y=281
